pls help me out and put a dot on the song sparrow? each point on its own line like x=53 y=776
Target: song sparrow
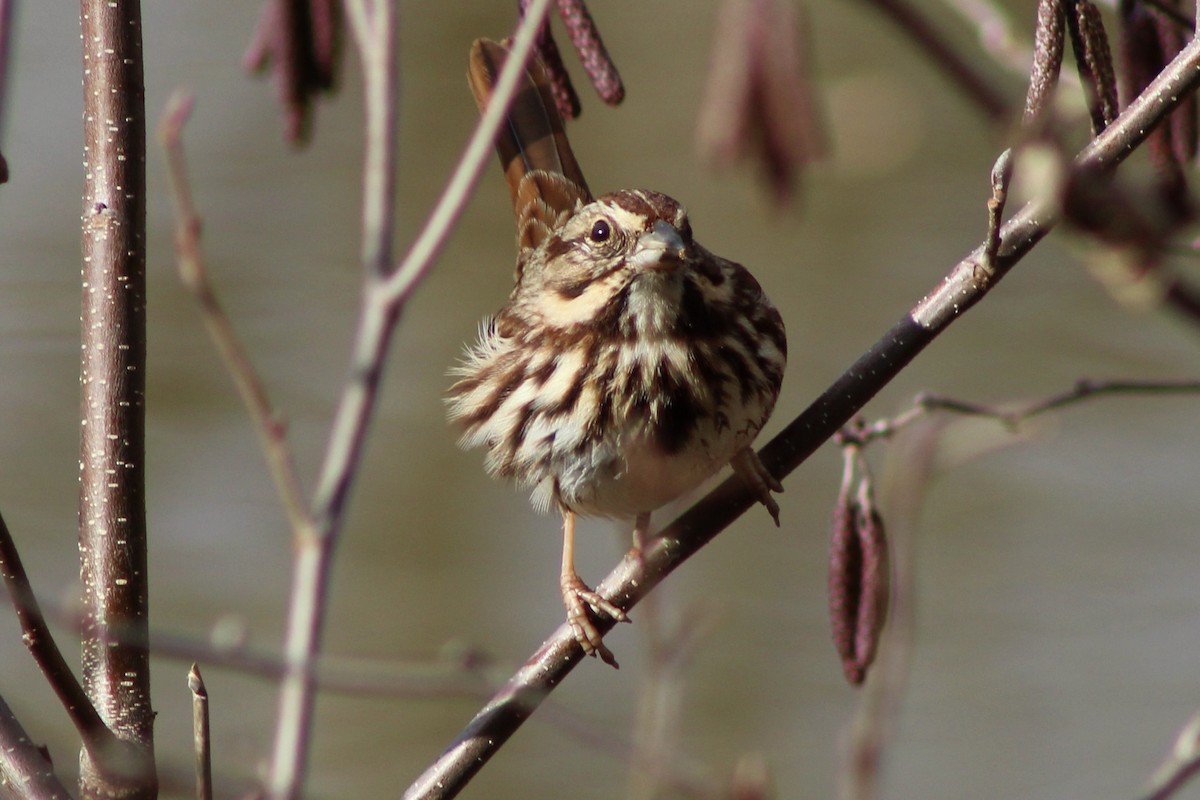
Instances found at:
x=629 y=363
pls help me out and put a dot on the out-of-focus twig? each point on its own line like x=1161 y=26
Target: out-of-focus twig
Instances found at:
x=759 y=97
x=6 y=23
x=271 y=430
x=1180 y=765
x=299 y=42
x=385 y=292
x=962 y=72
x=1012 y=415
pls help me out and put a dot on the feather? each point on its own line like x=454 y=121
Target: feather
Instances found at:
x=544 y=179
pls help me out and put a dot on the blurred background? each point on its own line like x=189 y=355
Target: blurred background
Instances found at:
x=1057 y=599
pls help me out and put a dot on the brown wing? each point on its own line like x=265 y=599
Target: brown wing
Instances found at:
x=544 y=179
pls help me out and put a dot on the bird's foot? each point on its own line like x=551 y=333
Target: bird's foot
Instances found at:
x=746 y=464
x=577 y=597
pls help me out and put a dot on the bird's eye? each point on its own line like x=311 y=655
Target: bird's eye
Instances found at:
x=601 y=231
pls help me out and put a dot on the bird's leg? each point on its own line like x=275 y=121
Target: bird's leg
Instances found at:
x=746 y=464
x=577 y=597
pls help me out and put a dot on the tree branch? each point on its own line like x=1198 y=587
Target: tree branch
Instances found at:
x=25 y=768
x=36 y=635
x=384 y=294
x=637 y=574
x=961 y=71
x=112 y=514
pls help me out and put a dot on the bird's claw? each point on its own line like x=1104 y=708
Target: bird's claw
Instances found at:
x=747 y=464
x=577 y=597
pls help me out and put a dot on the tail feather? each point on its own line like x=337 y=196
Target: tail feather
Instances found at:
x=532 y=146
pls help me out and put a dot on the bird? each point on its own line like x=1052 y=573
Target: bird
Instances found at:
x=629 y=363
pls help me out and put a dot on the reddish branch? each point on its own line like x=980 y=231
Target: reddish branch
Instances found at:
x=112 y=519
x=965 y=285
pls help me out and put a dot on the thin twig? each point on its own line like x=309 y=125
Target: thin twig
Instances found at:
x=992 y=24
x=374 y=33
x=1082 y=390
x=1181 y=764
x=1168 y=10
x=960 y=70
x=1001 y=176
x=36 y=635
x=272 y=432
x=25 y=768
x=434 y=233
x=1005 y=413
x=200 y=734
x=383 y=299
x=6 y=25
x=638 y=574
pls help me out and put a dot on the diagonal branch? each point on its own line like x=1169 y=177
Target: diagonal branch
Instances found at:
x=384 y=293
x=194 y=273
x=25 y=768
x=36 y=635
x=964 y=286
x=961 y=71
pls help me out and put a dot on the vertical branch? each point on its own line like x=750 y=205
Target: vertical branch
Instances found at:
x=201 y=734
x=384 y=292
x=6 y=21
x=112 y=521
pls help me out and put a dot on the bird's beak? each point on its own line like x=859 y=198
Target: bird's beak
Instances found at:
x=661 y=247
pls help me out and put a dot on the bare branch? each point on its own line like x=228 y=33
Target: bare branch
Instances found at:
x=1082 y=390
x=271 y=430
x=1181 y=764
x=6 y=25
x=200 y=734
x=638 y=574
x=112 y=509
x=961 y=71
x=25 y=768
x=36 y=635
x=384 y=296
